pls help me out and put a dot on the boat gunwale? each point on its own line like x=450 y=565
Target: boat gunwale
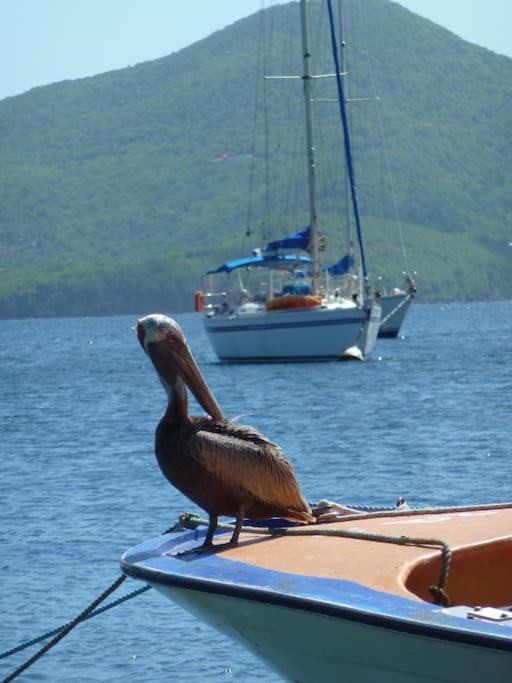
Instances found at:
x=151 y=562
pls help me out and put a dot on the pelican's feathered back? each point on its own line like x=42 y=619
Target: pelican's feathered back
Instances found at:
x=241 y=458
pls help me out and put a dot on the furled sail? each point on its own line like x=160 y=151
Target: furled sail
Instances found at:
x=344 y=265
x=295 y=240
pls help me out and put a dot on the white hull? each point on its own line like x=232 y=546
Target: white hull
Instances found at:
x=390 y=327
x=307 y=647
x=293 y=335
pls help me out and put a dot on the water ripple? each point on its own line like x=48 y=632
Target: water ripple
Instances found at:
x=429 y=417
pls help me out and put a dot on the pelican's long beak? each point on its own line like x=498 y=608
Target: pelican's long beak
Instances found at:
x=171 y=356
x=193 y=378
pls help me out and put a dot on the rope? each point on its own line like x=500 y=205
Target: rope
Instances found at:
x=58 y=629
x=363 y=23
x=88 y=613
x=372 y=512
x=192 y=521
x=77 y=620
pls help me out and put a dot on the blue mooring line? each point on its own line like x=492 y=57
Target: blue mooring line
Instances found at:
x=54 y=632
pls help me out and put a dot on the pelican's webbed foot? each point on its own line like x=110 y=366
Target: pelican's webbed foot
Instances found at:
x=195 y=550
x=208 y=545
x=208 y=541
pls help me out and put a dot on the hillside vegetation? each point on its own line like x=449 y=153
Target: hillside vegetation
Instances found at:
x=118 y=191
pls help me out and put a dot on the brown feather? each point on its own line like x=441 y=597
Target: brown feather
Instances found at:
x=222 y=467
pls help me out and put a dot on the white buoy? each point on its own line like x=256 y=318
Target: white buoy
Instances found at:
x=352 y=353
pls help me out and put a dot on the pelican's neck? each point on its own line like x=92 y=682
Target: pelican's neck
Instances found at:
x=177 y=406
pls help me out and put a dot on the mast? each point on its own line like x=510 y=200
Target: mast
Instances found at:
x=348 y=198
x=346 y=139
x=344 y=76
x=307 y=80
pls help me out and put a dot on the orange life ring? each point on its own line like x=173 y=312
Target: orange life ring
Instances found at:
x=280 y=303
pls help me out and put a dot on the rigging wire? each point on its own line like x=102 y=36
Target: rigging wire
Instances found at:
x=328 y=174
x=266 y=215
x=348 y=152
x=261 y=39
x=292 y=149
x=344 y=54
x=383 y=139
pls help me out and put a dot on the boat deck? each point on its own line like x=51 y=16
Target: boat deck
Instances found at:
x=339 y=582
x=480 y=541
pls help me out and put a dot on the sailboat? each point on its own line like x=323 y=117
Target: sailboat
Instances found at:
x=297 y=313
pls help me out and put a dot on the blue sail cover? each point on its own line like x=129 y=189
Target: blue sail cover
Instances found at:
x=295 y=240
x=344 y=265
x=288 y=261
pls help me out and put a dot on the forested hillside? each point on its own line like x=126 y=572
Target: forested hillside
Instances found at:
x=118 y=191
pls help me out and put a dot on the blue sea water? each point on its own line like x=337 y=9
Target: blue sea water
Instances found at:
x=428 y=417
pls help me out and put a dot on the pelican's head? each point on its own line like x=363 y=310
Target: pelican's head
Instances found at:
x=156 y=328
x=164 y=342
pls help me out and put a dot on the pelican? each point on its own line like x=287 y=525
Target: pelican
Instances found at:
x=226 y=469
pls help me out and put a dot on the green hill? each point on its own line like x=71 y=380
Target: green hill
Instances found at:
x=117 y=191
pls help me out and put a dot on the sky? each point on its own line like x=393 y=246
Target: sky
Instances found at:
x=46 y=41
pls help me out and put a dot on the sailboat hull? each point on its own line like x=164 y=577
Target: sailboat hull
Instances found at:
x=293 y=335
x=394 y=310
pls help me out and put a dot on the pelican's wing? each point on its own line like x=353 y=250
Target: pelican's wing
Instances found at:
x=243 y=458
